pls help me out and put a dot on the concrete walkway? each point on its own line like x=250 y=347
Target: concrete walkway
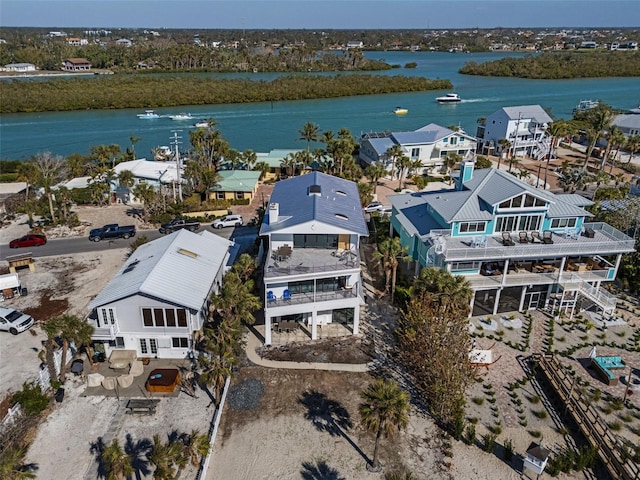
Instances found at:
x=253 y=343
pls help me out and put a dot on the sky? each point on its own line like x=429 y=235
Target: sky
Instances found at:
x=319 y=14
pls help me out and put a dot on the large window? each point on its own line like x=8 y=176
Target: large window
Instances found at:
x=107 y=317
x=516 y=223
x=523 y=201
x=473 y=227
x=563 y=222
x=164 y=317
x=180 y=342
x=329 y=242
x=458 y=266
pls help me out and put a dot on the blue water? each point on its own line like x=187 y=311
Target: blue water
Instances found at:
x=265 y=126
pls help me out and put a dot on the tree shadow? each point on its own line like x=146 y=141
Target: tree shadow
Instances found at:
x=329 y=416
x=138 y=451
x=97 y=448
x=319 y=471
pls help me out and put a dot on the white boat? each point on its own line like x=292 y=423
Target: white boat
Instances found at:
x=162 y=153
x=201 y=124
x=400 y=111
x=181 y=116
x=148 y=114
x=584 y=105
x=449 y=98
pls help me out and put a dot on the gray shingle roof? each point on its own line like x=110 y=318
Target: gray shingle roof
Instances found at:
x=338 y=205
x=178 y=268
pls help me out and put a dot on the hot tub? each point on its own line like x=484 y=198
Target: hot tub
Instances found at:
x=163 y=380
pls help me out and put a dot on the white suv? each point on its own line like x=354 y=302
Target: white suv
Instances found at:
x=14 y=321
x=228 y=221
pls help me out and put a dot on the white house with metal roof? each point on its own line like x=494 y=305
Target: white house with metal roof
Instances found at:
x=161 y=295
x=156 y=174
x=628 y=123
x=524 y=126
x=429 y=144
x=519 y=247
x=312 y=270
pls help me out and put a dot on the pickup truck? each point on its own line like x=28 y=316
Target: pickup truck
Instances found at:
x=112 y=230
x=179 y=224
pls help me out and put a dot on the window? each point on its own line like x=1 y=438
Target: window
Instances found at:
x=472 y=227
x=526 y=201
x=454 y=140
x=107 y=316
x=180 y=342
x=415 y=152
x=563 y=222
x=164 y=317
x=143 y=346
x=153 y=343
x=457 y=266
x=239 y=195
x=513 y=223
x=220 y=195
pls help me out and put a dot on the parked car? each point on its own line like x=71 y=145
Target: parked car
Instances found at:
x=228 y=221
x=373 y=207
x=30 y=240
x=112 y=230
x=179 y=224
x=13 y=321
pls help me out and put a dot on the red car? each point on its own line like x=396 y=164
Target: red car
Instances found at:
x=28 y=241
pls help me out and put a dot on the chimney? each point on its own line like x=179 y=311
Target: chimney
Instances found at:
x=274 y=211
x=466 y=173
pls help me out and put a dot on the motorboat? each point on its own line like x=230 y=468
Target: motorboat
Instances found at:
x=449 y=98
x=181 y=116
x=584 y=105
x=201 y=124
x=148 y=114
x=400 y=111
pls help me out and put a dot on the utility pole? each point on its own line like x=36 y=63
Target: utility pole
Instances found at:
x=515 y=141
x=176 y=142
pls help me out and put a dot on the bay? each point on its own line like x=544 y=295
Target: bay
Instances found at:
x=265 y=126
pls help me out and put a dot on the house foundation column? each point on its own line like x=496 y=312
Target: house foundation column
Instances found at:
x=497 y=301
x=314 y=325
x=522 y=296
x=356 y=319
x=472 y=303
x=267 y=328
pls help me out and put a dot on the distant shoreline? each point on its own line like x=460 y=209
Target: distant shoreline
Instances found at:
x=53 y=73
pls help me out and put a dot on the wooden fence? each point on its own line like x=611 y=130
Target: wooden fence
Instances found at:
x=591 y=424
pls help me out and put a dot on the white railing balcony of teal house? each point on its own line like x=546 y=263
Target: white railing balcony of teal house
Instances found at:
x=606 y=241
x=313 y=297
x=511 y=280
x=306 y=261
x=105 y=333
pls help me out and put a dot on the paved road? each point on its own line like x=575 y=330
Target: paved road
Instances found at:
x=70 y=245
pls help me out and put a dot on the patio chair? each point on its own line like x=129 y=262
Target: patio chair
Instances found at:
x=507 y=241
x=535 y=237
x=547 y=237
x=270 y=296
x=524 y=238
x=286 y=295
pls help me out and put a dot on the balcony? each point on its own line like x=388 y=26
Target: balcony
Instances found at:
x=308 y=261
x=104 y=333
x=313 y=297
x=606 y=241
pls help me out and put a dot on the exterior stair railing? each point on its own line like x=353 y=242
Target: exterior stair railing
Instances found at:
x=591 y=424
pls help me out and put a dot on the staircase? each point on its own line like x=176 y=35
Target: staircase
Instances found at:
x=600 y=297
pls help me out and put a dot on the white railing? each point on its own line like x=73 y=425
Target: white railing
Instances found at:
x=603 y=298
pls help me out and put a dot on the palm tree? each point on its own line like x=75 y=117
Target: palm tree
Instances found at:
x=505 y=146
x=165 y=457
x=615 y=138
x=28 y=173
x=236 y=300
x=391 y=252
x=216 y=369
x=310 y=133
x=632 y=146
x=117 y=463
x=50 y=170
x=133 y=140
x=126 y=178
x=555 y=130
x=384 y=411
x=70 y=328
x=403 y=164
x=196 y=446
x=244 y=267
x=262 y=167
x=145 y=193
x=447 y=289
x=375 y=172
x=288 y=164
x=393 y=153
x=249 y=157
x=597 y=121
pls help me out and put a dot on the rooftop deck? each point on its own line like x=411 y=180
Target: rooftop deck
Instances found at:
x=606 y=241
x=305 y=261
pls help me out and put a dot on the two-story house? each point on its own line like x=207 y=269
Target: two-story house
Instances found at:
x=519 y=247
x=429 y=144
x=161 y=295
x=312 y=276
x=524 y=127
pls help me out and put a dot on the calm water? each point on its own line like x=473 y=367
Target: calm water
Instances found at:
x=265 y=126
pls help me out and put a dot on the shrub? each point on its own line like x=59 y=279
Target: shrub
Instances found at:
x=469 y=436
x=508 y=449
x=495 y=429
x=31 y=398
x=478 y=400
x=535 y=433
x=616 y=426
x=541 y=414
x=489 y=442
x=535 y=399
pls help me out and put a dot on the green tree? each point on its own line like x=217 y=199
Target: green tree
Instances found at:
x=632 y=146
x=555 y=130
x=263 y=167
x=146 y=194
x=70 y=328
x=309 y=133
x=391 y=252
x=236 y=300
x=505 y=149
x=12 y=465
x=596 y=120
x=393 y=153
x=196 y=446
x=384 y=411
x=165 y=457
